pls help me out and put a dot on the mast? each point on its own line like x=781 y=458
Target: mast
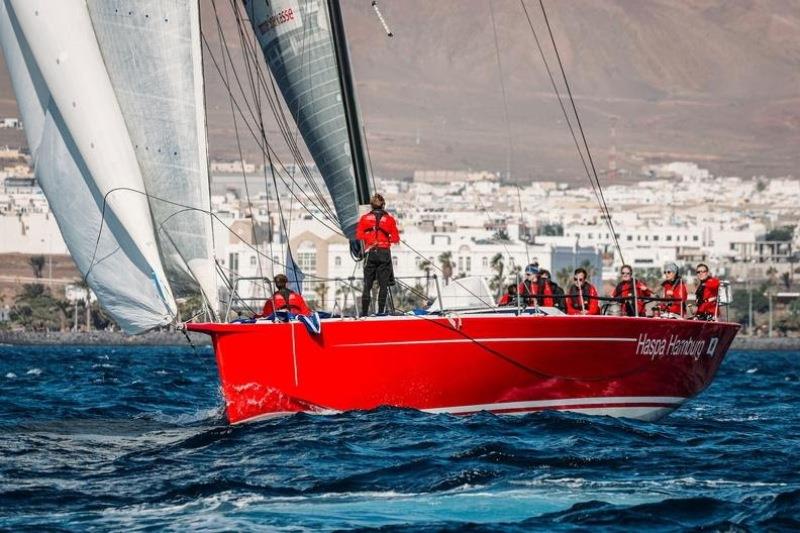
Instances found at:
x=360 y=169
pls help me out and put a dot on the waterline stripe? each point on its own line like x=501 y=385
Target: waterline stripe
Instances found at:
x=564 y=402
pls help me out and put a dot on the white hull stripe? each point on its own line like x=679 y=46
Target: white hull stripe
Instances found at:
x=490 y=339
x=620 y=401
x=657 y=406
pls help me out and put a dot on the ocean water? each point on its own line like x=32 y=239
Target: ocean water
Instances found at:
x=133 y=438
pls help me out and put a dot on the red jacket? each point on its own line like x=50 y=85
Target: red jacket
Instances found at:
x=507 y=299
x=296 y=305
x=707 y=294
x=527 y=290
x=676 y=290
x=377 y=229
x=545 y=293
x=625 y=290
x=582 y=300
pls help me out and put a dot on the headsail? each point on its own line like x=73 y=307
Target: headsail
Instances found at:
x=152 y=54
x=298 y=45
x=83 y=157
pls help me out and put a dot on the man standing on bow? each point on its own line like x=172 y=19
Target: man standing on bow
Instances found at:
x=378 y=230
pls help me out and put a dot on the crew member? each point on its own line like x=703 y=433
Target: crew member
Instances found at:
x=546 y=290
x=625 y=291
x=707 y=293
x=673 y=287
x=510 y=297
x=378 y=230
x=582 y=296
x=529 y=287
x=284 y=299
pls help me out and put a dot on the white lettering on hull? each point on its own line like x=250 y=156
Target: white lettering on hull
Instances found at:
x=675 y=346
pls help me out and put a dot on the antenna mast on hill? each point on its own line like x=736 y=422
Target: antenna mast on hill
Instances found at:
x=612 y=154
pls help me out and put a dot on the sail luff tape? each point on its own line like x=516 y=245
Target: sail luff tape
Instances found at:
x=383 y=21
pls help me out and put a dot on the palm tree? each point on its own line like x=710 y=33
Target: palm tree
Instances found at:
x=497 y=264
x=37 y=264
x=564 y=277
x=321 y=290
x=447 y=265
x=426 y=266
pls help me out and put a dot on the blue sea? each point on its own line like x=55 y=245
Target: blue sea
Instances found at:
x=133 y=438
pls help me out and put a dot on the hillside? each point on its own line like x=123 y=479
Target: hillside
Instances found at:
x=713 y=81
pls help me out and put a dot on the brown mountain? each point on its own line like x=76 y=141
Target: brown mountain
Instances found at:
x=712 y=81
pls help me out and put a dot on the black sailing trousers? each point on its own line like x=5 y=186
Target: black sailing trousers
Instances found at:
x=377 y=265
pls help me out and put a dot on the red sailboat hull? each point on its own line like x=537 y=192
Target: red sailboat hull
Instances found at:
x=635 y=367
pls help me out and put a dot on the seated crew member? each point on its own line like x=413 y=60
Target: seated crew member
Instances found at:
x=673 y=287
x=284 y=299
x=707 y=293
x=582 y=296
x=529 y=287
x=378 y=230
x=546 y=289
x=625 y=290
x=510 y=297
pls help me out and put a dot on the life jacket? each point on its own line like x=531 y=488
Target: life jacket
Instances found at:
x=527 y=290
x=707 y=293
x=582 y=299
x=624 y=289
x=377 y=229
x=676 y=290
x=544 y=292
x=285 y=299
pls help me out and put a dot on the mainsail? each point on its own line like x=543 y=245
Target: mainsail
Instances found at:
x=300 y=48
x=83 y=158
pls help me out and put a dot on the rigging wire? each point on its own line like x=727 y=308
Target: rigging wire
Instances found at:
x=510 y=149
x=319 y=201
x=239 y=147
x=269 y=149
x=591 y=175
x=381 y=19
x=251 y=53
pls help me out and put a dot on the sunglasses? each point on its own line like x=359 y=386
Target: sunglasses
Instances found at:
x=701 y=271
x=579 y=279
x=669 y=272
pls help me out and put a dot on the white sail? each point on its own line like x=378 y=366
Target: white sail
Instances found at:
x=151 y=50
x=81 y=153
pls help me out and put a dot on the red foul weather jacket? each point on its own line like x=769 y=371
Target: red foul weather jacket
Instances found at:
x=676 y=290
x=583 y=299
x=295 y=305
x=625 y=290
x=707 y=293
x=377 y=229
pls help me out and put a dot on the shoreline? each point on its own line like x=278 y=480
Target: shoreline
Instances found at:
x=177 y=338
x=111 y=338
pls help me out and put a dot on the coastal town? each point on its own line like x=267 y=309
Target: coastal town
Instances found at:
x=457 y=224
